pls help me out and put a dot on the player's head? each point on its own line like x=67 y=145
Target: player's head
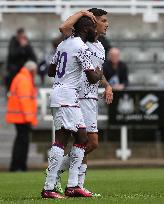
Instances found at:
x=85 y=27
x=102 y=20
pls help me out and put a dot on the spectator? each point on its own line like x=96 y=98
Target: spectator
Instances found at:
x=115 y=71
x=20 y=51
x=22 y=112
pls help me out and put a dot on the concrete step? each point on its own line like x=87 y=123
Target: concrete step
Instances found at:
x=5 y=161
x=6 y=149
x=30 y=155
x=10 y=144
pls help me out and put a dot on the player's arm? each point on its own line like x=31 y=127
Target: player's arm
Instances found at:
x=52 y=70
x=108 y=93
x=67 y=27
x=94 y=76
x=53 y=65
x=84 y=59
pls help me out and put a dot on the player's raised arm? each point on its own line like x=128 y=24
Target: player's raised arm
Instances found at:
x=67 y=27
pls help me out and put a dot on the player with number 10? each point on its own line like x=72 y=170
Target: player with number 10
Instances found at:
x=70 y=60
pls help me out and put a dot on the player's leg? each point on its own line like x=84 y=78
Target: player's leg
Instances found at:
x=63 y=167
x=76 y=154
x=89 y=110
x=91 y=115
x=56 y=154
x=92 y=144
x=54 y=161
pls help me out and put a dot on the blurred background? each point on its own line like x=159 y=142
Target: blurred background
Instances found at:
x=131 y=129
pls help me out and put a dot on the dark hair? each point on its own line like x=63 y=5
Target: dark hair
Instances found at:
x=20 y=30
x=97 y=12
x=82 y=23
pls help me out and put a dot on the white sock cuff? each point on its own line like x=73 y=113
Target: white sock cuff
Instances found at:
x=57 y=150
x=77 y=150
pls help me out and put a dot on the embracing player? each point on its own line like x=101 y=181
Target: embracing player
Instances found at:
x=71 y=59
x=89 y=92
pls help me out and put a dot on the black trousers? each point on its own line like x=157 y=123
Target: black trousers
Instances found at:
x=20 y=148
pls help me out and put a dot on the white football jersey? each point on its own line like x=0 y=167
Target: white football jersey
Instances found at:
x=72 y=57
x=98 y=56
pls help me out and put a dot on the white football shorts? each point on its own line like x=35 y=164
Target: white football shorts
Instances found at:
x=70 y=118
x=89 y=108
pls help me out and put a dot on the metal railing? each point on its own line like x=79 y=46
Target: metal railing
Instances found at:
x=123 y=152
x=67 y=7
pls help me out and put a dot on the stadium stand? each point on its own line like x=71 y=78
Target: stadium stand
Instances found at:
x=140 y=40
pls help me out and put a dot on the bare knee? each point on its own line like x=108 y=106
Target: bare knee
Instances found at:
x=93 y=145
x=62 y=136
x=81 y=136
x=92 y=141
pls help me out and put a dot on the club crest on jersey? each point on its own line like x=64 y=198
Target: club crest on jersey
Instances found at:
x=93 y=126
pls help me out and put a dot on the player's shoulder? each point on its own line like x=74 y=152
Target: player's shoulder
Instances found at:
x=78 y=43
x=75 y=43
x=99 y=44
x=96 y=44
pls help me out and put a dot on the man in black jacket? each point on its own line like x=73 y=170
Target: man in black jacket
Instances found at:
x=115 y=71
x=20 y=51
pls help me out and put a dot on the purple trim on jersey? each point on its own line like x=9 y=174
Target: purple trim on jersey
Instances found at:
x=89 y=98
x=81 y=146
x=74 y=106
x=58 y=145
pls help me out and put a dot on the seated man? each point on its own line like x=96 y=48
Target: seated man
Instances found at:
x=115 y=71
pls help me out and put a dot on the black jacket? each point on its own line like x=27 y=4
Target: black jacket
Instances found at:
x=121 y=72
x=18 y=55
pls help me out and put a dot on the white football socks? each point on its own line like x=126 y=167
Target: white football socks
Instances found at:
x=54 y=162
x=76 y=157
x=82 y=174
x=63 y=167
x=65 y=164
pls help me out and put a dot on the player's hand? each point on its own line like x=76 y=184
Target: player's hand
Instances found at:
x=108 y=95
x=99 y=72
x=89 y=14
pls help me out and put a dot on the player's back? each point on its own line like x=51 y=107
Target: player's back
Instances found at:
x=68 y=69
x=70 y=58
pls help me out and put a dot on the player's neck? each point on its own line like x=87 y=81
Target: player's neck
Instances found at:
x=83 y=37
x=96 y=38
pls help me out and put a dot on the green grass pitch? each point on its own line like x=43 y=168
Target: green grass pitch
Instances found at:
x=116 y=186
